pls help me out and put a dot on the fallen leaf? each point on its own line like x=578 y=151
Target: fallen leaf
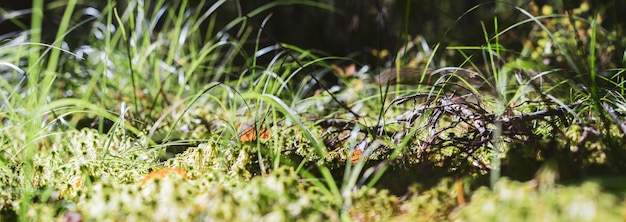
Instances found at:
x=356 y=155
x=249 y=134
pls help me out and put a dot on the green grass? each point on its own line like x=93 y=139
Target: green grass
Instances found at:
x=174 y=87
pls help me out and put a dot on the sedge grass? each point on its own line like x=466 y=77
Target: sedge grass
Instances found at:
x=177 y=68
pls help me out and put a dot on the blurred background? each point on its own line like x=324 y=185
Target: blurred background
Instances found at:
x=358 y=28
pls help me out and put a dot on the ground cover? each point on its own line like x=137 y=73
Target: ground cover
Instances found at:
x=164 y=112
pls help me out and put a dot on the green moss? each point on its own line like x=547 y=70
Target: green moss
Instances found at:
x=210 y=195
x=374 y=205
x=434 y=204
x=515 y=201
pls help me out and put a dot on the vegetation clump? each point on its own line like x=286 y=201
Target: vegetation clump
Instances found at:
x=198 y=110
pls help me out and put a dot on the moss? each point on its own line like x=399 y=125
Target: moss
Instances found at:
x=374 y=205
x=515 y=201
x=434 y=204
x=212 y=196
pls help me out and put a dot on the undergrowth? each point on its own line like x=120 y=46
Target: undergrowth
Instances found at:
x=181 y=111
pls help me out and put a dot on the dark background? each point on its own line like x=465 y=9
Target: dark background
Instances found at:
x=355 y=26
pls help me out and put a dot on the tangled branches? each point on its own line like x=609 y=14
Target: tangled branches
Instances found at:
x=462 y=123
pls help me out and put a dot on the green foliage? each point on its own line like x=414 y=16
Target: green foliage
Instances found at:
x=201 y=87
x=515 y=201
x=432 y=204
x=374 y=205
